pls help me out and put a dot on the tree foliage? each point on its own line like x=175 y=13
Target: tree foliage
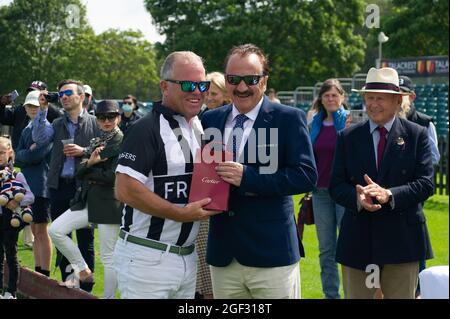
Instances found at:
x=415 y=28
x=307 y=41
x=115 y=63
x=31 y=33
x=43 y=40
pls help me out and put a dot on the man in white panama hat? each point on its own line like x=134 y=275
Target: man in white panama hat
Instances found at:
x=382 y=172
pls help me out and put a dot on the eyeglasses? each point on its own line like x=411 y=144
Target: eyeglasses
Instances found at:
x=66 y=92
x=248 y=79
x=189 y=86
x=110 y=117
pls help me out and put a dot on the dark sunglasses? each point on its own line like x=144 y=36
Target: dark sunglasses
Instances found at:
x=248 y=79
x=109 y=117
x=66 y=92
x=189 y=86
x=129 y=103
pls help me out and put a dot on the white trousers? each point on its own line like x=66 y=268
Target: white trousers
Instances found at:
x=107 y=234
x=148 y=273
x=237 y=281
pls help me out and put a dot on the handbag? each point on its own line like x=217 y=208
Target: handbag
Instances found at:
x=306 y=213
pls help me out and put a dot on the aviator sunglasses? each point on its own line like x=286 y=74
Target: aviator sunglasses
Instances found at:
x=189 y=86
x=248 y=79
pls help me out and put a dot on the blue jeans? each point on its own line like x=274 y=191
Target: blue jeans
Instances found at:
x=327 y=217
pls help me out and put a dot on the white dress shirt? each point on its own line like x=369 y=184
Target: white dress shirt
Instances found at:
x=248 y=125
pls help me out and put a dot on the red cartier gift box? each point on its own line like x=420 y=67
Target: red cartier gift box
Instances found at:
x=205 y=181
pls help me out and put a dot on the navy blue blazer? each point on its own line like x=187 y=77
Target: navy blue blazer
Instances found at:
x=388 y=236
x=259 y=229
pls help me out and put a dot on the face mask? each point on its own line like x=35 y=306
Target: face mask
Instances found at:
x=127 y=108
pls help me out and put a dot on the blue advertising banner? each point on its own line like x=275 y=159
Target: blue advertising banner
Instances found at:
x=425 y=66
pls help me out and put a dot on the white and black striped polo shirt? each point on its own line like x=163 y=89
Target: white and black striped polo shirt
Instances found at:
x=158 y=151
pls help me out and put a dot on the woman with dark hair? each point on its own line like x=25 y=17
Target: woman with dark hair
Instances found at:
x=129 y=115
x=330 y=118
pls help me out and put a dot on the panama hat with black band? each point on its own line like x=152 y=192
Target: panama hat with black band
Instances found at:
x=384 y=80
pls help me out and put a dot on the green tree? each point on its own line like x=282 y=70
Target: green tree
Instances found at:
x=114 y=63
x=31 y=34
x=414 y=27
x=307 y=41
x=48 y=41
x=417 y=28
x=126 y=65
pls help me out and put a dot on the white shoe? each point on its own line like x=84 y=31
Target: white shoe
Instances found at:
x=8 y=295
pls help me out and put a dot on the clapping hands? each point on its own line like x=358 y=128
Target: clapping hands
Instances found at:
x=365 y=195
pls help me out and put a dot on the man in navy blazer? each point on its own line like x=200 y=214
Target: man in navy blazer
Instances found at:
x=254 y=248
x=383 y=233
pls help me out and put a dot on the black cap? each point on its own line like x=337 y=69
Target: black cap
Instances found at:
x=107 y=106
x=37 y=85
x=405 y=83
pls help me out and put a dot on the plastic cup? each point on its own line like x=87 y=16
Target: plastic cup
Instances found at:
x=68 y=141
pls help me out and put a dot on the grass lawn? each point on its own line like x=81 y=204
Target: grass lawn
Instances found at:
x=436 y=211
x=26 y=259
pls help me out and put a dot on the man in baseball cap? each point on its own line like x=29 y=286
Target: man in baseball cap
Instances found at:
x=406 y=84
x=88 y=102
x=87 y=89
x=409 y=111
x=37 y=85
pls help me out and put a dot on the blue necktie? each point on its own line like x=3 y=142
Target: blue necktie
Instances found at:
x=237 y=134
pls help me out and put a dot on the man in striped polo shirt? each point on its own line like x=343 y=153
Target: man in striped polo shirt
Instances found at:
x=154 y=255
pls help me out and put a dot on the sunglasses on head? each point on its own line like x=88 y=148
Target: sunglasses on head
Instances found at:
x=66 y=92
x=189 y=86
x=108 y=116
x=248 y=79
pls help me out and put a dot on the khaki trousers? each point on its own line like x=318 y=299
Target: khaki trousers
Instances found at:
x=397 y=281
x=236 y=281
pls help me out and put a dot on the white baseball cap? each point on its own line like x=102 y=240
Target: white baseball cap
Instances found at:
x=87 y=89
x=32 y=98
